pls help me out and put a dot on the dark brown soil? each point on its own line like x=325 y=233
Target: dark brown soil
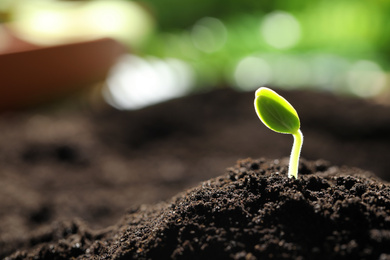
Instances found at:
x=252 y=212
x=67 y=179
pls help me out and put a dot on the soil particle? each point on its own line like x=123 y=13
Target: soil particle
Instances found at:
x=253 y=211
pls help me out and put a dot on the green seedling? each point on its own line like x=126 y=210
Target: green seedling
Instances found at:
x=280 y=116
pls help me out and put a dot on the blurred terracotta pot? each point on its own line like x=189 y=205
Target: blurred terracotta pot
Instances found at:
x=30 y=75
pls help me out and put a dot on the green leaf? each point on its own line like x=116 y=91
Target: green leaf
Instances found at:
x=276 y=112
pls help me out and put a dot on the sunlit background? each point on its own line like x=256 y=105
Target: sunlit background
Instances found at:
x=177 y=47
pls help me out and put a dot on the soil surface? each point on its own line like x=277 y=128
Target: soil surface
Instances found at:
x=252 y=212
x=68 y=179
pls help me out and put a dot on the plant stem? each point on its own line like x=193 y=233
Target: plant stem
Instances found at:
x=295 y=153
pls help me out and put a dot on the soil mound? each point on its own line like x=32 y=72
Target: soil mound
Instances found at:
x=253 y=211
x=94 y=164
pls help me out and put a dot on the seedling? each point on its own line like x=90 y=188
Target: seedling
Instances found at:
x=280 y=116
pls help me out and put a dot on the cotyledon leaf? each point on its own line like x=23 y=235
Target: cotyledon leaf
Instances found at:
x=276 y=112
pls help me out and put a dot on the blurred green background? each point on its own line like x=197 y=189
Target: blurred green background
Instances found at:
x=340 y=46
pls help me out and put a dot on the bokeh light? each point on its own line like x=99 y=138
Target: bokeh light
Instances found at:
x=137 y=82
x=291 y=71
x=54 y=22
x=252 y=72
x=280 y=30
x=366 y=79
x=328 y=71
x=209 y=34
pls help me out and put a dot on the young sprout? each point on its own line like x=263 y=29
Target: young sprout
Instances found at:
x=280 y=116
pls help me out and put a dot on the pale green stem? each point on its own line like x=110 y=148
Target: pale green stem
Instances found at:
x=295 y=153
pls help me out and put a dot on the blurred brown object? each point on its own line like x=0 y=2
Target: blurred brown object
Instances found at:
x=31 y=75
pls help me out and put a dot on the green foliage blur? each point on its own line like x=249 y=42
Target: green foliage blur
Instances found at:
x=174 y=14
x=341 y=25
x=352 y=36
